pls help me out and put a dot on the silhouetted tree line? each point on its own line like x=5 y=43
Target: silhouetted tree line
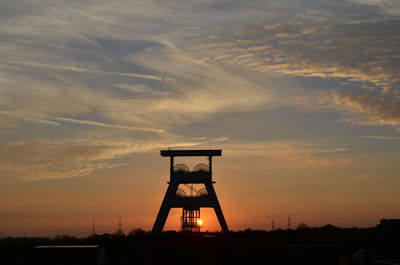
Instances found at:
x=139 y=247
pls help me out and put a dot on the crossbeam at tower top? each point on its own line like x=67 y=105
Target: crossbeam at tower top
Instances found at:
x=180 y=174
x=205 y=152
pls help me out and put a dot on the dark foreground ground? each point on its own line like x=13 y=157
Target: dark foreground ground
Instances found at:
x=326 y=245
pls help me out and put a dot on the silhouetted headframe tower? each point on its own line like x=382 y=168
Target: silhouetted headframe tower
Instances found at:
x=177 y=198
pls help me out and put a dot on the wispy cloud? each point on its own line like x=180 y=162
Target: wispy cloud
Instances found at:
x=378 y=137
x=45 y=159
x=283 y=149
x=135 y=88
x=110 y=83
x=83 y=70
x=191 y=69
x=200 y=90
x=387 y=6
x=106 y=125
x=326 y=51
x=305 y=49
x=28 y=99
x=369 y=108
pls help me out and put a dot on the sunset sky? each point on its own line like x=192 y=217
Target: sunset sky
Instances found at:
x=301 y=96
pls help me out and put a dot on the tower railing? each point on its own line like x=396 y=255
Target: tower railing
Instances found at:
x=176 y=197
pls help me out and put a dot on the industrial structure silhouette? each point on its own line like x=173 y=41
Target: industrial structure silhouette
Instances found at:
x=176 y=197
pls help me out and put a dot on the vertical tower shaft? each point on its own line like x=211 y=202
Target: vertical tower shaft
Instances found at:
x=180 y=174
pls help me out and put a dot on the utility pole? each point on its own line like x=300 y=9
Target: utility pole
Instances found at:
x=94 y=227
x=289 y=224
x=119 y=226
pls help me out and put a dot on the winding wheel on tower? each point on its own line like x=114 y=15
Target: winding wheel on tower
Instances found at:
x=190 y=190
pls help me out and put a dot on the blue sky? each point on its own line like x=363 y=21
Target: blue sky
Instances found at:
x=302 y=96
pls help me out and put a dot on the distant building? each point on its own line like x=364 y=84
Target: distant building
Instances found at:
x=390 y=239
x=69 y=255
x=386 y=251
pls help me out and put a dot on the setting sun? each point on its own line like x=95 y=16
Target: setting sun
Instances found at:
x=199 y=222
